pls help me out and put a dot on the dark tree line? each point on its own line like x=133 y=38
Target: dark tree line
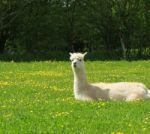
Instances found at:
x=120 y=27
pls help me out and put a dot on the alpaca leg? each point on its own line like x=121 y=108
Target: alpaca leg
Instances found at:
x=134 y=97
x=148 y=91
x=147 y=96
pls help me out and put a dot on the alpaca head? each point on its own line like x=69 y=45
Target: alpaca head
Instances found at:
x=77 y=60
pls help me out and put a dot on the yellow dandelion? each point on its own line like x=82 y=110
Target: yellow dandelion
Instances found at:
x=129 y=125
x=144 y=129
x=119 y=132
x=61 y=126
x=8 y=115
x=146 y=118
x=3 y=106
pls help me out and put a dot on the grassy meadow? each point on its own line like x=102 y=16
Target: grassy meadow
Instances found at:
x=37 y=98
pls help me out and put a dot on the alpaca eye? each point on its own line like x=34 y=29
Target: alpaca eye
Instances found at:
x=80 y=60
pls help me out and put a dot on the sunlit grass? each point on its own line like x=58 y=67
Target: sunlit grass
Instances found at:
x=37 y=97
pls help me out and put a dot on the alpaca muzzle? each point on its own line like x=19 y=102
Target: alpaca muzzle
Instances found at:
x=75 y=64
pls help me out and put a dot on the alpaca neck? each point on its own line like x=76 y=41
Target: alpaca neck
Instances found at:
x=80 y=81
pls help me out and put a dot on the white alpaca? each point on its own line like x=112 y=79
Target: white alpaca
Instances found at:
x=127 y=91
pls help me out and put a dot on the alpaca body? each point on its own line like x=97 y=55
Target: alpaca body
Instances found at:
x=112 y=91
x=127 y=91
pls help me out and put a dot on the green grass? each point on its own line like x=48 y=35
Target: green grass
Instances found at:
x=37 y=98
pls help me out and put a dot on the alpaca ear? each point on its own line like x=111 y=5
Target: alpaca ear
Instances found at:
x=85 y=53
x=70 y=54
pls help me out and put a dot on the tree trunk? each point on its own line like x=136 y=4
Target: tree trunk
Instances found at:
x=70 y=41
x=140 y=50
x=2 y=46
x=123 y=48
x=3 y=38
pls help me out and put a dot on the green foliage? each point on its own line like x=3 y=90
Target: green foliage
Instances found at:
x=31 y=26
x=37 y=97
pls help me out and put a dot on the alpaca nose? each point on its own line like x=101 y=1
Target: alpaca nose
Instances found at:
x=74 y=64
